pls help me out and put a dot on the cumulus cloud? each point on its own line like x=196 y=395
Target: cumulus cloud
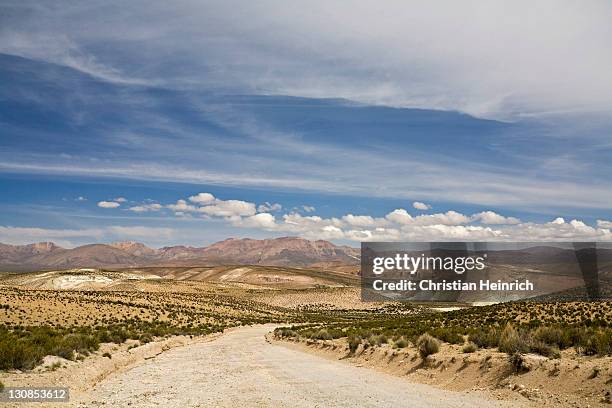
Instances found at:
x=363 y=221
x=604 y=224
x=229 y=208
x=400 y=216
x=492 y=218
x=447 y=218
x=421 y=206
x=181 y=206
x=108 y=204
x=308 y=208
x=120 y=200
x=267 y=207
x=397 y=225
x=264 y=221
x=202 y=198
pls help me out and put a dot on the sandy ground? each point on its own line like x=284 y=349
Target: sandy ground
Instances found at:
x=241 y=368
x=570 y=381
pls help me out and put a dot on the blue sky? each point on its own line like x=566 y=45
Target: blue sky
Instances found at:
x=111 y=113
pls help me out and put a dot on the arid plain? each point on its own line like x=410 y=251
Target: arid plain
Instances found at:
x=141 y=335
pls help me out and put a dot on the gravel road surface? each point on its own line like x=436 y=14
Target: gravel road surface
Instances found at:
x=241 y=369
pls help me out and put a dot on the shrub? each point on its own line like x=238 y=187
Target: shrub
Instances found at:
x=603 y=343
x=553 y=336
x=485 y=338
x=469 y=347
x=517 y=362
x=353 y=343
x=590 y=342
x=375 y=340
x=427 y=345
x=538 y=346
x=401 y=343
x=511 y=341
x=1 y=386
x=448 y=335
x=107 y=354
x=322 y=334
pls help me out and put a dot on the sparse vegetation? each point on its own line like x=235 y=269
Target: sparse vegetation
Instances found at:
x=469 y=347
x=427 y=345
x=401 y=343
x=517 y=362
x=502 y=326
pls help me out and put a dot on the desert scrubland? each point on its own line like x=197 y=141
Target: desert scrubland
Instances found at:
x=85 y=328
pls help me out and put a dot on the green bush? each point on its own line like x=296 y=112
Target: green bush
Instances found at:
x=485 y=338
x=553 y=336
x=511 y=341
x=401 y=343
x=469 y=347
x=322 y=335
x=353 y=343
x=377 y=340
x=538 y=346
x=449 y=335
x=23 y=348
x=427 y=345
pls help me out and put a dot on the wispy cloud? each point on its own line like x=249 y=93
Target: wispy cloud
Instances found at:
x=408 y=57
x=69 y=237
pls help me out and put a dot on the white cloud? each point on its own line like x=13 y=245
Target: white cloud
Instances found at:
x=400 y=216
x=604 y=224
x=229 y=208
x=492 y=218
x=399 y=225
x=120 y=199
x=108 y=204
x=264 y=221
x=146 y=207
x=202 y=198
x=447 y=218
x=181 y=206
x=421 y=206
x=363 y=221
x=412 y=54
x=308 y=208
x=267 y=207
x=80 y=198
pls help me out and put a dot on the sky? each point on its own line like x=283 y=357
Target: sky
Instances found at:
x=191 y=122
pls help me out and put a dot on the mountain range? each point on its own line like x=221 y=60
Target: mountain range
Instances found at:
x=285 y=251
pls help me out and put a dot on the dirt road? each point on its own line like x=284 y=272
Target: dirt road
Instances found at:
x=241 y=369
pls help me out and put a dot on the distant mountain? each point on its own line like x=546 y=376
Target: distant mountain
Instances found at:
x=134 y=248
x=286 y=251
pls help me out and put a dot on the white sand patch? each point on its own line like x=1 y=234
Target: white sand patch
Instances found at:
x=76 y=281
